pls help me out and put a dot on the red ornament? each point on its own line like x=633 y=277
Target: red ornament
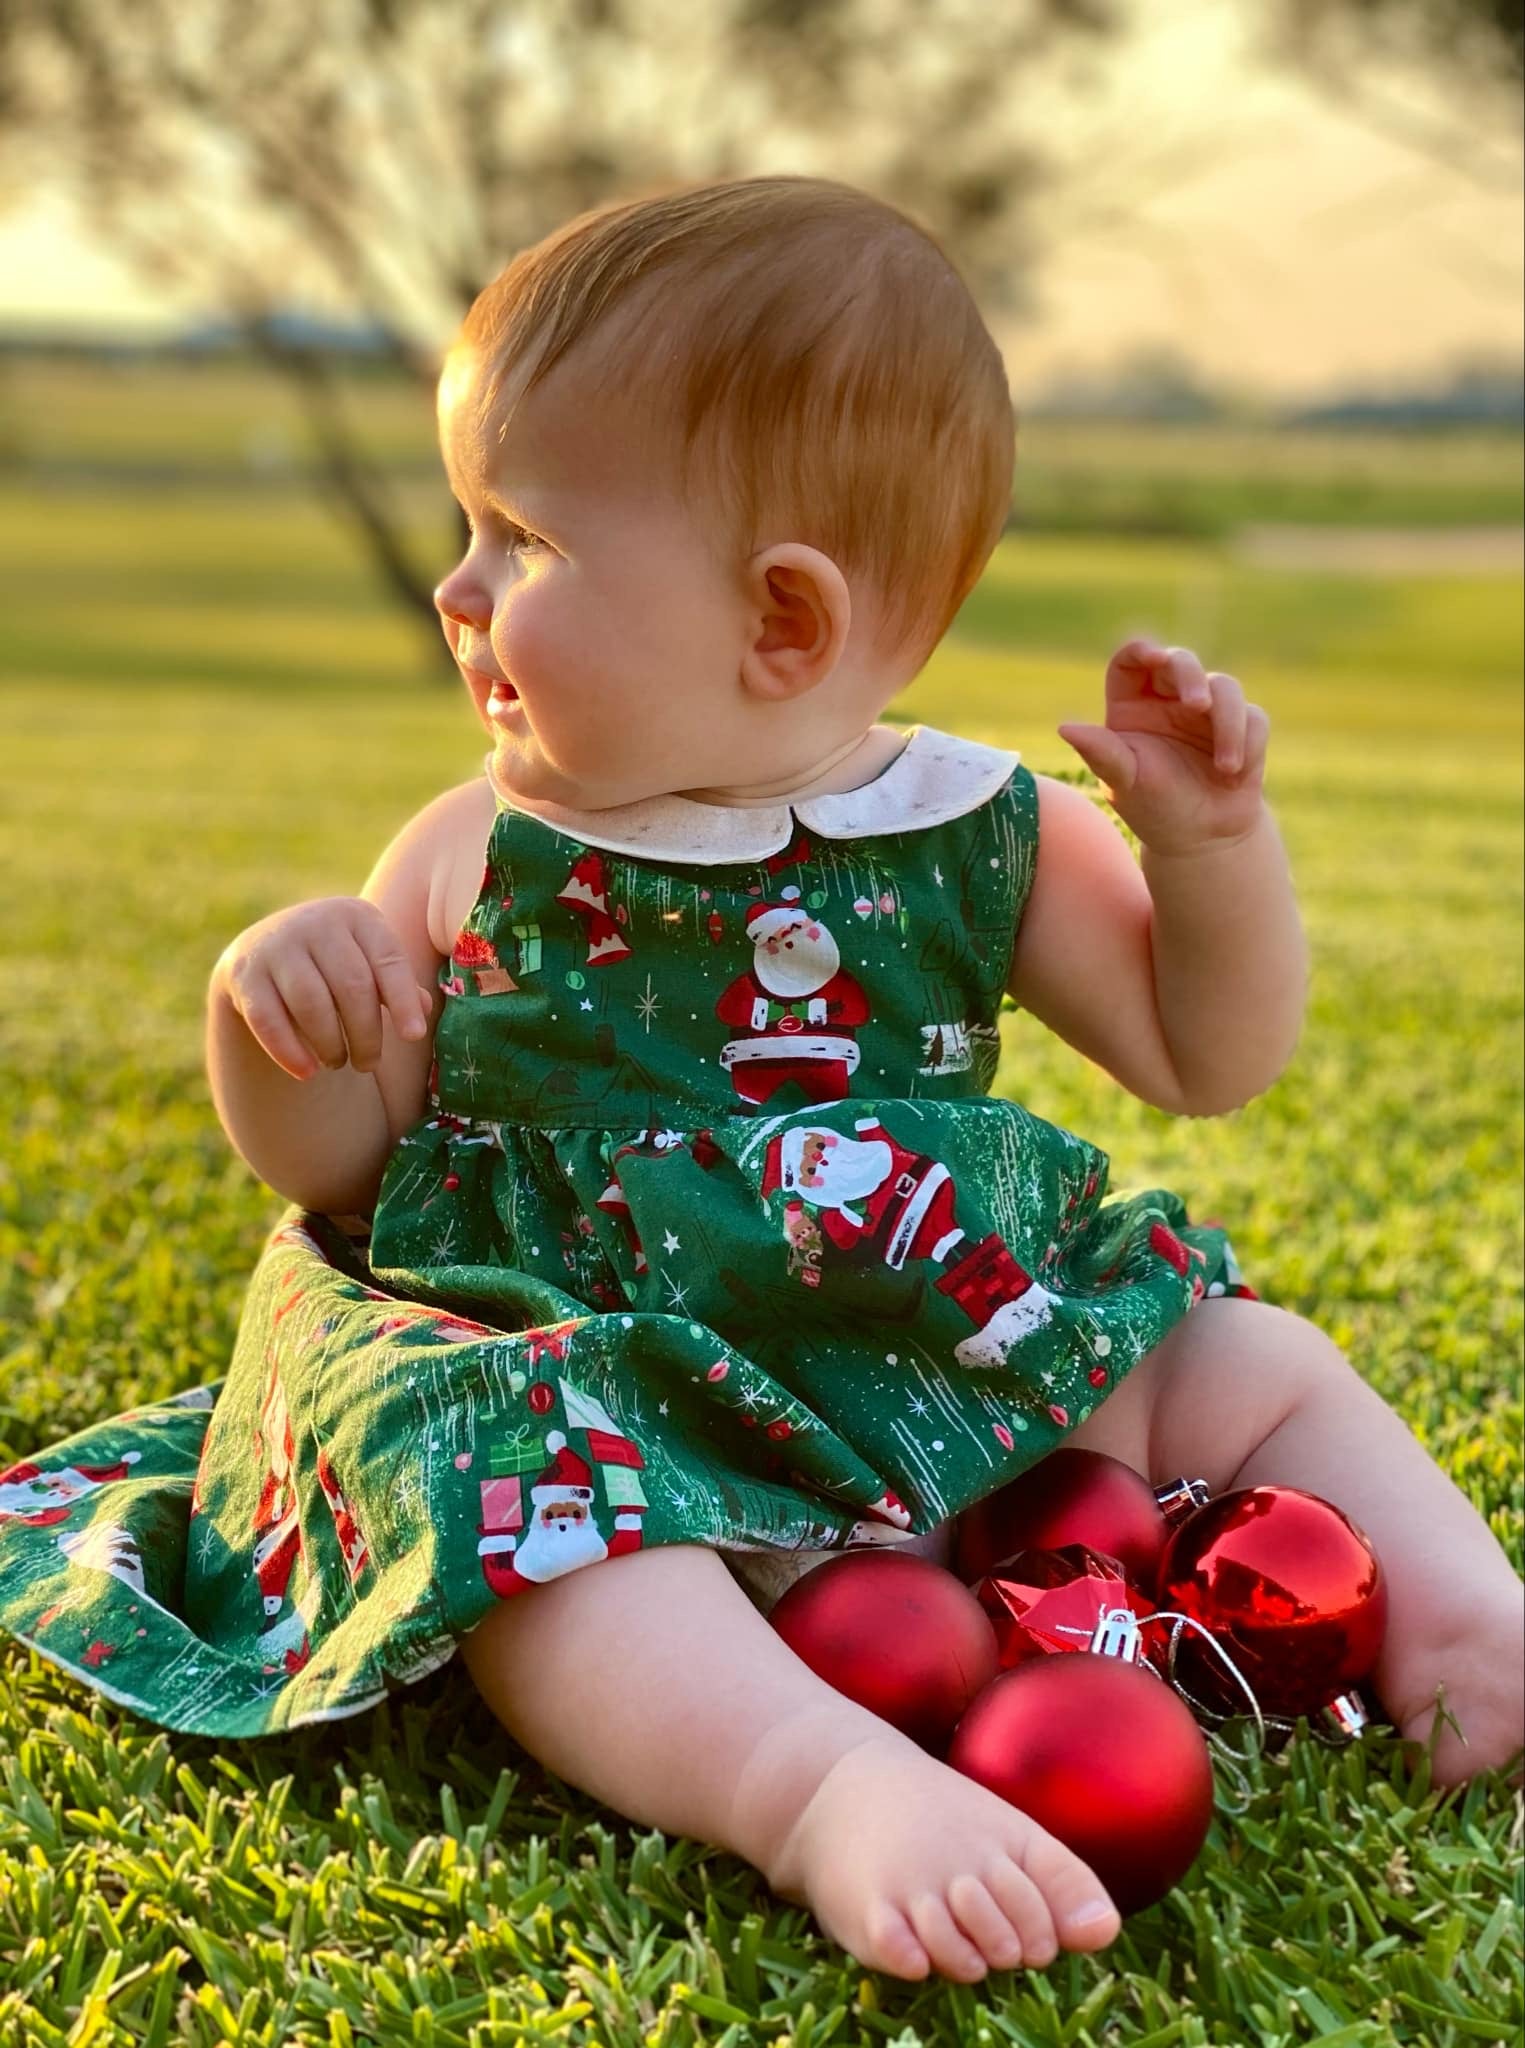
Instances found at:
x=1289 y=1586
x=897 y=1634
x=1046 y=1601
x=1106 y=1757
x=1071 y=1496
x=541 y=1398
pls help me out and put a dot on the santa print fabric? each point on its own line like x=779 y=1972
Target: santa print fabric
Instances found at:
x=710 y=1234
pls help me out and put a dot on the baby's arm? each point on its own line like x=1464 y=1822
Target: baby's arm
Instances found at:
x=1184 y=979
x=321 y=1135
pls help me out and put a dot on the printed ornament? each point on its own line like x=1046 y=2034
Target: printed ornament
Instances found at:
x=1103 y=1754
x=1071 y=1496
x=1288 y=1586
x=1048 y=1601
x=584 y=892
x=898 y=1634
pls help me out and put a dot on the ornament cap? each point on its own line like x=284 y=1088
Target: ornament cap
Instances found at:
x=1182 y=1497
x=1346 y=1716
x=1118 y=1635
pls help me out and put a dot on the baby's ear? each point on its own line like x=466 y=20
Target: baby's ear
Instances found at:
x=799 y=613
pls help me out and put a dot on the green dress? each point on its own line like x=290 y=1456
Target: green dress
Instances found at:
x=711 y=1234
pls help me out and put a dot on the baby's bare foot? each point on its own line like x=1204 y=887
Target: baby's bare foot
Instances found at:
x=1480 y=1670
x=913 y=1867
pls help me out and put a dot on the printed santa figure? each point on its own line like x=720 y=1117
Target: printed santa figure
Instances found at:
x=1000 y=1296
x=562 y=1532
x=351 y=1542
x=795 y=1010
x=111 y=1548
x=891 y=1523
x=29 y=1494
x=277 y=1528
x=874 y=1198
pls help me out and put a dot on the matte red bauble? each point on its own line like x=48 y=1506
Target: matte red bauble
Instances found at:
x=1106 y=1757
x=899 y=1635
x=1071 y=1496
x=1047 y=1601
x=1289 y=1586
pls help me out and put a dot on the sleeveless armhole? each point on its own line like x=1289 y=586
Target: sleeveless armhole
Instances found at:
x=1022 y=803
x=1014 y=822
x=496 y=880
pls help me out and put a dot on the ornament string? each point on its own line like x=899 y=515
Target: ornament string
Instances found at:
x=1119 y=1633
x=1336 y=1730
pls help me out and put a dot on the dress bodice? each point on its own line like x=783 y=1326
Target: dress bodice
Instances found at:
x=678 y=961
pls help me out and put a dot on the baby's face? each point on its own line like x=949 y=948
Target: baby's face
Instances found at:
x=588 y=589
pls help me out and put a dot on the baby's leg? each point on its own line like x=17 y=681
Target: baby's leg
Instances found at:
x=1240 y=1393
x=651 y=1681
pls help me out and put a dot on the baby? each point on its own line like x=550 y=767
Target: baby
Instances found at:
x=700 y=1084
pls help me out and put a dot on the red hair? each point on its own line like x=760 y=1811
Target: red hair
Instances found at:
x=827 y=372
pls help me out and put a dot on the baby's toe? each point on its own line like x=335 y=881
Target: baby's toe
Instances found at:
x=952 y=1952
x=890 y=1944
x=979 y=1915
x=1084 y=1916
x=1027 y=1910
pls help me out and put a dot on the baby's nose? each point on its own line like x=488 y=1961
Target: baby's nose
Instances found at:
x=462 y=600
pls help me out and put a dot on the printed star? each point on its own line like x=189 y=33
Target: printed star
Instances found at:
x=648 y=1005
x=661 y=1407
x=937 y=876
x=680 y=1501
x=443 y=1245
x=204 y=1541
x=670 y=1243
x=586 y=1003
x=748 y=1398
x=677 y=1296
x=469 y=1071
x=918 y=1406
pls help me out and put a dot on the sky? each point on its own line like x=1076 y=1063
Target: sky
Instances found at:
x=1210 y=206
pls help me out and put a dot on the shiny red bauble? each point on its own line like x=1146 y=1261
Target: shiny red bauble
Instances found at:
x=899 y=1635
x=1106 y=1757
x=1289 y=1586
x=1071 y=1496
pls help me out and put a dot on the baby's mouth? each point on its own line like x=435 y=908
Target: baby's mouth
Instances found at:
x=500 y=692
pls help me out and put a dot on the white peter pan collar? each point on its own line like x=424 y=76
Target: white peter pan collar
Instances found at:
x=935 y=776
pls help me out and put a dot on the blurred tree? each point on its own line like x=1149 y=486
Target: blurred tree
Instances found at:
x=1371 y=55
x=386 y=157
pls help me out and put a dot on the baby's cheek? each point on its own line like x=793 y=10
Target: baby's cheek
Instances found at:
x=530 y=643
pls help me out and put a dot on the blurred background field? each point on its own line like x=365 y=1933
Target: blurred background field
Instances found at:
x=1264 y=333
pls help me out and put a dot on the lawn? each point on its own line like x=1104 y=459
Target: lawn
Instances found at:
x=210 y=714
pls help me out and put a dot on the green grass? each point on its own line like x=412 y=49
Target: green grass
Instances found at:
x=210 y=714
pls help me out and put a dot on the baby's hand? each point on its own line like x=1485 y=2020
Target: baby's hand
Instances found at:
x=1182 y=753
x=311 y=983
